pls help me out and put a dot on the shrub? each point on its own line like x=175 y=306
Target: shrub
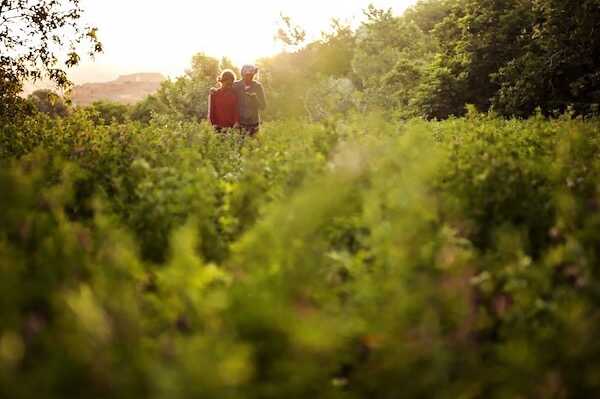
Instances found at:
x=354 y=258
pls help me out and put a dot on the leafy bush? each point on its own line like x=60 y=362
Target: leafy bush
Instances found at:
x=185 y=97
x=48 y=102
x=105 y=113
x=354 y=258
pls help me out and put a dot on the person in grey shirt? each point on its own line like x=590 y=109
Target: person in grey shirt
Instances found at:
x=251 y=99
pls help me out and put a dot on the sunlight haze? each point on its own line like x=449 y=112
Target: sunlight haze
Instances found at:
x=158 y=36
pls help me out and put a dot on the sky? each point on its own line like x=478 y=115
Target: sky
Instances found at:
x=162 y=36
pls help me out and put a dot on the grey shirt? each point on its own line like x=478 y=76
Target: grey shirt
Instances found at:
x=250 y=105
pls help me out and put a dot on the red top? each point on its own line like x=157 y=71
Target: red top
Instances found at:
x=224 y=108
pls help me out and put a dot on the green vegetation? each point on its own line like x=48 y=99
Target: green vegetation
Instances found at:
x=39 y=38
x=353 y=249
x=456 y=257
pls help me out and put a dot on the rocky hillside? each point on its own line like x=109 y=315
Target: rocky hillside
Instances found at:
x=126 y=89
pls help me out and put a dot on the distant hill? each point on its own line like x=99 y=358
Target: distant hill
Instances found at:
x=126 y=89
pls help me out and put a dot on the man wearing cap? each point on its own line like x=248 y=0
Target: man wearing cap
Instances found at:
x=251 y=99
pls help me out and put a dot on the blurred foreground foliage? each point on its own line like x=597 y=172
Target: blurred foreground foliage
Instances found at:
x=351 y=258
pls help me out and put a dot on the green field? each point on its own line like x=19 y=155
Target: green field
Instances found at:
x=359 y=258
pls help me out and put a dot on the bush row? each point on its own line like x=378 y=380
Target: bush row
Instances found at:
x=348 y=259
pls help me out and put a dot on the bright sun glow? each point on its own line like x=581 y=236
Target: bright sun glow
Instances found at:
x=153 y=35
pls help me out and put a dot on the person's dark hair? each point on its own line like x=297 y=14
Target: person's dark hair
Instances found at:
x=227 y=74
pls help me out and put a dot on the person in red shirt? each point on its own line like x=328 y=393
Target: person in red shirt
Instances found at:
x=224 y=110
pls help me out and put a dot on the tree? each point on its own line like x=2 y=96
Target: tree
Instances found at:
x=40 y=38
x=187 y=96
x=293 y=77
x=514 y=56
x=334 y=52
x=477 y=38
x=106 y=113
x=560 y=62
x=428 y=13
x=290 y=34
x=10 y=102
x=391 y=56
x=48 y=102
x=329 y=97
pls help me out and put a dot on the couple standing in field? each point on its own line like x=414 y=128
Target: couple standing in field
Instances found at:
x=236 y=104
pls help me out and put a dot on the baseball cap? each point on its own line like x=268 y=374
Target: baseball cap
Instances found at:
x=249 y=68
